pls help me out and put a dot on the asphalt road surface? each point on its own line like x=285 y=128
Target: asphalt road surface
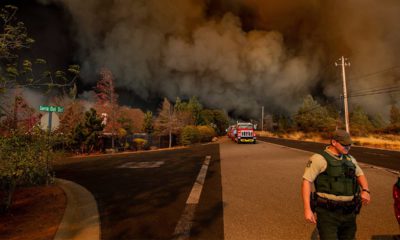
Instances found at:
x=261 y=194
x=251 y=191
x=142 y=196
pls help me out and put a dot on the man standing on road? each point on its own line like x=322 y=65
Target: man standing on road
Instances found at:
x=337 y=198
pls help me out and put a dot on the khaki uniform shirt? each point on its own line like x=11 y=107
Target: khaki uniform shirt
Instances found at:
x=317 y=164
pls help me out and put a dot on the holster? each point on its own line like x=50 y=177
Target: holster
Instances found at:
x=313 y=201
x=358 y=203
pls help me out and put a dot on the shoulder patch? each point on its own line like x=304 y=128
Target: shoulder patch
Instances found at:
x=309 y=163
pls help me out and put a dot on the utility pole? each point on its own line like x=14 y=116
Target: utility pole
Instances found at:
x=262 y=118
x=343 y=63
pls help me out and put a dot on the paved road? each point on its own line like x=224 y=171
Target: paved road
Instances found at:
x=377 y=157
x=261 y=195
x=146 y=202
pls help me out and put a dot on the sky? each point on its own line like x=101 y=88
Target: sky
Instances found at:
x=237 y=55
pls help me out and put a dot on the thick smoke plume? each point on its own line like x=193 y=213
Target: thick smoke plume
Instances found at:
x=240 y=55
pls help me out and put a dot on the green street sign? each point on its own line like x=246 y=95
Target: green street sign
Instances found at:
x=51 y=108
x=44 y=108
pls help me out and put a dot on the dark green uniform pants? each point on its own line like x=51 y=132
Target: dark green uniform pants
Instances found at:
x=334 y=225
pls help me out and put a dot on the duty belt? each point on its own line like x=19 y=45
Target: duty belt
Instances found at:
x=332 y=205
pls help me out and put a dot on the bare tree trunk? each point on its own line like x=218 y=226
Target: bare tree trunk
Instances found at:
x=6 y=200
x=91 y=149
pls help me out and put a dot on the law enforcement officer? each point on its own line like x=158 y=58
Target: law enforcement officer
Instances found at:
x=340 y=188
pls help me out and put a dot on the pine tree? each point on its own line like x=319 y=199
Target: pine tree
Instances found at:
x=284 y=123
x=183 y=114
x=378 y=122
x=148 y=123
x=394 y=126
x=86 y=133
x=311 y=116
x=221 y=121
x=394 y=115
x=360 y=123
x=195 y=108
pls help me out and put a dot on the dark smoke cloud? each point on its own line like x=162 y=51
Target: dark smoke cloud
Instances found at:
x=363 y=30
x=239 y=55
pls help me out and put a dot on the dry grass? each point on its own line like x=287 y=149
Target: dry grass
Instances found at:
x=265 y=134
x=309 y=137
x=391 y=142
x=384 y=141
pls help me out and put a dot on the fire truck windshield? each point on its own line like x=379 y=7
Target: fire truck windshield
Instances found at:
x=245 y=125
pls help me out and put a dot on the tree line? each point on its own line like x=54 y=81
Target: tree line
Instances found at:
x=88 y=131
x=311 y=116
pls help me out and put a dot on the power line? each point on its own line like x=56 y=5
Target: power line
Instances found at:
x=374 y=89
x=375 y=93
x=374 y=73
x=371 y=93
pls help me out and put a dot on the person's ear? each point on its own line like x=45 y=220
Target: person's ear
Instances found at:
x=334 y=143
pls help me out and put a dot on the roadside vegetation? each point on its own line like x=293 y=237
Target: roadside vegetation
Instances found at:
x=314 y=122
x=26 y=151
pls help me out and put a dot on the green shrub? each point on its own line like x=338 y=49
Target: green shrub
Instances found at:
x=139 y=143
x=24 y=161
x=189 y=135
x=206 y=133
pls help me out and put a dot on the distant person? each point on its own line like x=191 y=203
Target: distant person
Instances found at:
x=340 y=188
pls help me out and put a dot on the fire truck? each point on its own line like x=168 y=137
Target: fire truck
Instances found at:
x=245 y=133
x=231 y=132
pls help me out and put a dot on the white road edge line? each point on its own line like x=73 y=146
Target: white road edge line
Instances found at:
x=283 y=146
x=182 y=229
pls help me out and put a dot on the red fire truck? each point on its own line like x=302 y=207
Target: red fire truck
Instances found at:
x=245 y=133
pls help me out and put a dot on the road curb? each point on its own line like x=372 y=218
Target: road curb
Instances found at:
x=81 y=217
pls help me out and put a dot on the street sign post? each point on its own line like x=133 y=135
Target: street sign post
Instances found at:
x=50 y=110
x=44 y=121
